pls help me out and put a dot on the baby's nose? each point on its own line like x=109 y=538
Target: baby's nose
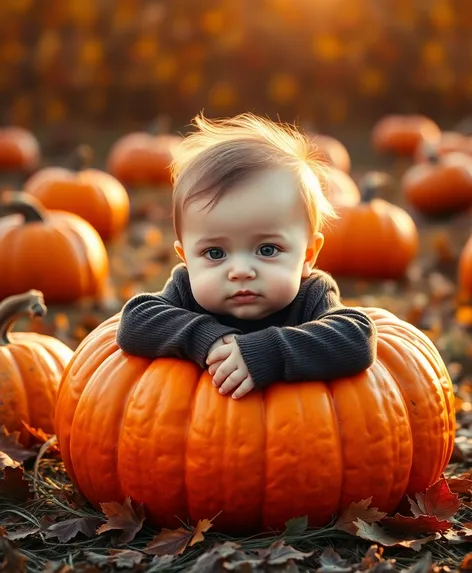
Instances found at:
x=241 y=271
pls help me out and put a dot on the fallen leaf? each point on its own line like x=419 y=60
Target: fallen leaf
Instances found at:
x=423 y=565
x=295 y=526
x=42 y=437
x=372 y=532
x=463 y=535
x=13 y=560
x=12 y=453
x=332 y=562
x=460 y=485
x=358 y=510
x=438 y=500
x=416 y=525
x=14 y=485
x=121 y=558
x=122 y=516
x=175 y=541
x=22 y=533
x=70 y=528
x=280 y=553
x=216 y=559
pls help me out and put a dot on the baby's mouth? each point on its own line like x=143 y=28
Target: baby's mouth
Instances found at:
x=244 y=296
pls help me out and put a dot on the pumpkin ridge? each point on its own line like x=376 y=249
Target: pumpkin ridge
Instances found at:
x=72 y=238
x=12 y=361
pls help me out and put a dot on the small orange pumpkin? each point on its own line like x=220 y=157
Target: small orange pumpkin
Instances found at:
x=92 y=194
x=341 y=188
x=31 y=366
x=57 y=252
x=373 y=239
x=443 y=185
x=450 y=141
x=144 y=158
x=159 y=432
x=333 y=150
x=401 y=134
x=19 y=149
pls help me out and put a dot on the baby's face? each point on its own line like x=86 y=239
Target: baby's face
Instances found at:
x=246 y=256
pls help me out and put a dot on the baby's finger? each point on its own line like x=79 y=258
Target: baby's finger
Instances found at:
x=223 y=371
x=244 y=388
x=233 y=381
x=220 y=353
x=214 y=367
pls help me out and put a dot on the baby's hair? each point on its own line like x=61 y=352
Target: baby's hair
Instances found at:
x=224 y=152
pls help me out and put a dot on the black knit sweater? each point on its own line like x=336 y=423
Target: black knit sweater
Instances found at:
x=315 y=337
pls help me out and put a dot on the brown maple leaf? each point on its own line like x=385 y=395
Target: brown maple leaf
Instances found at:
x=123 y=516
x=42 y=437
x=12 y=452
x=373 y=532
x=358 y=510
x=14 y=485
x=416 y=525
x=460 y=485
x=13 y=560
x=175 y=541
x=438 y=501
x=70 y=528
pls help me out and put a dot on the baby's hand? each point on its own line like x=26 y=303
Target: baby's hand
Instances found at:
x=229 y=370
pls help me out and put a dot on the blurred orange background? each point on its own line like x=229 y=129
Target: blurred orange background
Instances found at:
x=118 y=63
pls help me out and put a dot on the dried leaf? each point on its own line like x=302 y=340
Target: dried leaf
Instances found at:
x=22 y=533
x=332 y=562
x=280 y=553
x=42 y=437
x=12 y=453
x=218 y=558
x=14 y=485
x=372 y=532
x=69 y=528
x=416 y=525
x=121 y=558
x=438 y=500
x=463 y=535
x=424 y=565
x=358 y=510
x=460 y=485
x=122 y=516
x=13 y=560
x=175 y=541
x=296 y=526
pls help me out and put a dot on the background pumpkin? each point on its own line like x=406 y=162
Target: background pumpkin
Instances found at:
x=159 y=432
x=31 y=366
x=341 y=188
x=54 y=251
x=465 y=271
x=94 y=195
x=19 y=149
x=370 y=239
x=440 y=186
x=401 y=134
x=333 y=150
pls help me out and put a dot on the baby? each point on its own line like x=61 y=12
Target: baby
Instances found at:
x=247 y=301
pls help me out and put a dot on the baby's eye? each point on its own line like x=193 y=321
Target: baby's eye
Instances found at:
x=268 y=250
x=214 y=254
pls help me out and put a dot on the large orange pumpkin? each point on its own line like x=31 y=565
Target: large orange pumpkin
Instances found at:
x=443 y=185
x=19 y=149
x=56 y=252
x=372 y=239
x=92 y=194
x=159 y=432
x=401 y=134
x=31 y=366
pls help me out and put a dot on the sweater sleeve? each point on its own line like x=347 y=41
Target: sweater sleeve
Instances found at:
x=334 y=342
x=162 y=325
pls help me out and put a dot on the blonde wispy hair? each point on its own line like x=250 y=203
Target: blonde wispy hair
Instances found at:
x=224 y=152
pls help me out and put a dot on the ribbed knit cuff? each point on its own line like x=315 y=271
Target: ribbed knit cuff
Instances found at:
x=201 y=344
x=261 y=353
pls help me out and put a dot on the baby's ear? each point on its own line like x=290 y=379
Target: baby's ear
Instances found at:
x=313 y=249
x=179 y=250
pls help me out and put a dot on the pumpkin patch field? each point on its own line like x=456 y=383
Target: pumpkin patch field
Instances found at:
x=110 y=462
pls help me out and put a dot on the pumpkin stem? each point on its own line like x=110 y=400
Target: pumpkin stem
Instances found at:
x=29 y=304
x=430 y=152
x=371 y=184
x=82 y=157
x=160 y=125
x=12 y=202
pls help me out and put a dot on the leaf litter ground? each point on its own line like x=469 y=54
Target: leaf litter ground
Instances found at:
x=45 y=525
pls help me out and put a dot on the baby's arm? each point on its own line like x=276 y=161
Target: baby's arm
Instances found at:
x=161 y=325
x=334 y=342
